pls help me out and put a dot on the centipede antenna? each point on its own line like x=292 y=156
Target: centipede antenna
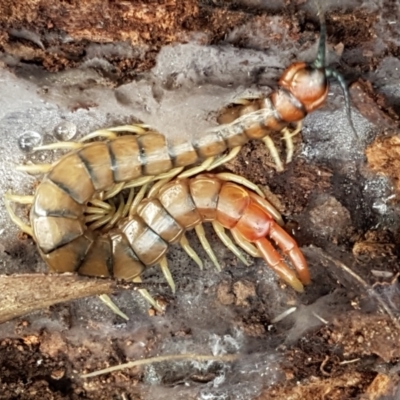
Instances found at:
x=342 y=83
x=320 y=60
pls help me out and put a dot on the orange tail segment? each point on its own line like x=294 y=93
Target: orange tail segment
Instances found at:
x=242 y=211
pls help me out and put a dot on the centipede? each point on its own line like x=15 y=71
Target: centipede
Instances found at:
x=75 y=189
x=146 y=230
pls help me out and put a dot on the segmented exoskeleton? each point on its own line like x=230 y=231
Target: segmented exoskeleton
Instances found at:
x=136 y=159
x=99 y=170
x=143 y=237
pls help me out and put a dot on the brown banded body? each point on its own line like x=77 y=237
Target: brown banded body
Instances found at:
x=143 y=238
x=148 y=155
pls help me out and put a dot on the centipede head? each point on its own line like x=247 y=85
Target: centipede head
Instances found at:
x=309 y=84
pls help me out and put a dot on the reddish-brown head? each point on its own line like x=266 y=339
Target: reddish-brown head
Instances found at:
x=307 y=84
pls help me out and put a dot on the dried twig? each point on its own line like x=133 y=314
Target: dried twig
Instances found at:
x=361 y=281
x=172 y=357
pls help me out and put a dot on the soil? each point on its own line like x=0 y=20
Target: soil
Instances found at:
x=342 y=338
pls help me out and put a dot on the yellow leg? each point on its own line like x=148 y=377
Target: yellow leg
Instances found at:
x=92 y=217
x=100 y=204
x=274 y=153
x=114 y=190
x=59 y=146
x=17 y=221
x=167 y=273
x=104 y=219
x=268 y=207
x=139 y=182
x=109 y=303
x=118 y=213
x=224 y=159
x=220 y=231
x=244 y=244
x=16 y=198
x=206 y=245
x=287 y=137
x=139 y=129
x=129 y=202
x=190 y=252
x=196 y=170
x=156 y=187
x=170 y=174
x=34 y=169
x=95 y=211
x=227 y=176
x=138 y=198
x=146 y=295
x=103 y=133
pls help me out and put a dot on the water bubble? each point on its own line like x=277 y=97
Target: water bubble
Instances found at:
x=28 y=140
x=65 y=131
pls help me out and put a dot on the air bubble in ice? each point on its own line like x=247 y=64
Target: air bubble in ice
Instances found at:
x=65 y=131
x=28 y=140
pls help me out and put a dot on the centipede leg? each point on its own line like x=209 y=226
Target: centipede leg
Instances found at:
x=138 y=198
x=225 y=239
x=228 y=176
x=34 y=169
x=167 y=273
x=109 y=133
x=222 y=160
x=287 y=137
x=99 y=222
x=101 y=133
x=268 y=207
x=184 y=243
x=118 y=214
x=196 y=170
x=128 y=204
x=206 y=245
x=110 y=304
x=146 y=295
x=274 y=153
x=11 y=198
x=245 y=244
x=114 y=190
